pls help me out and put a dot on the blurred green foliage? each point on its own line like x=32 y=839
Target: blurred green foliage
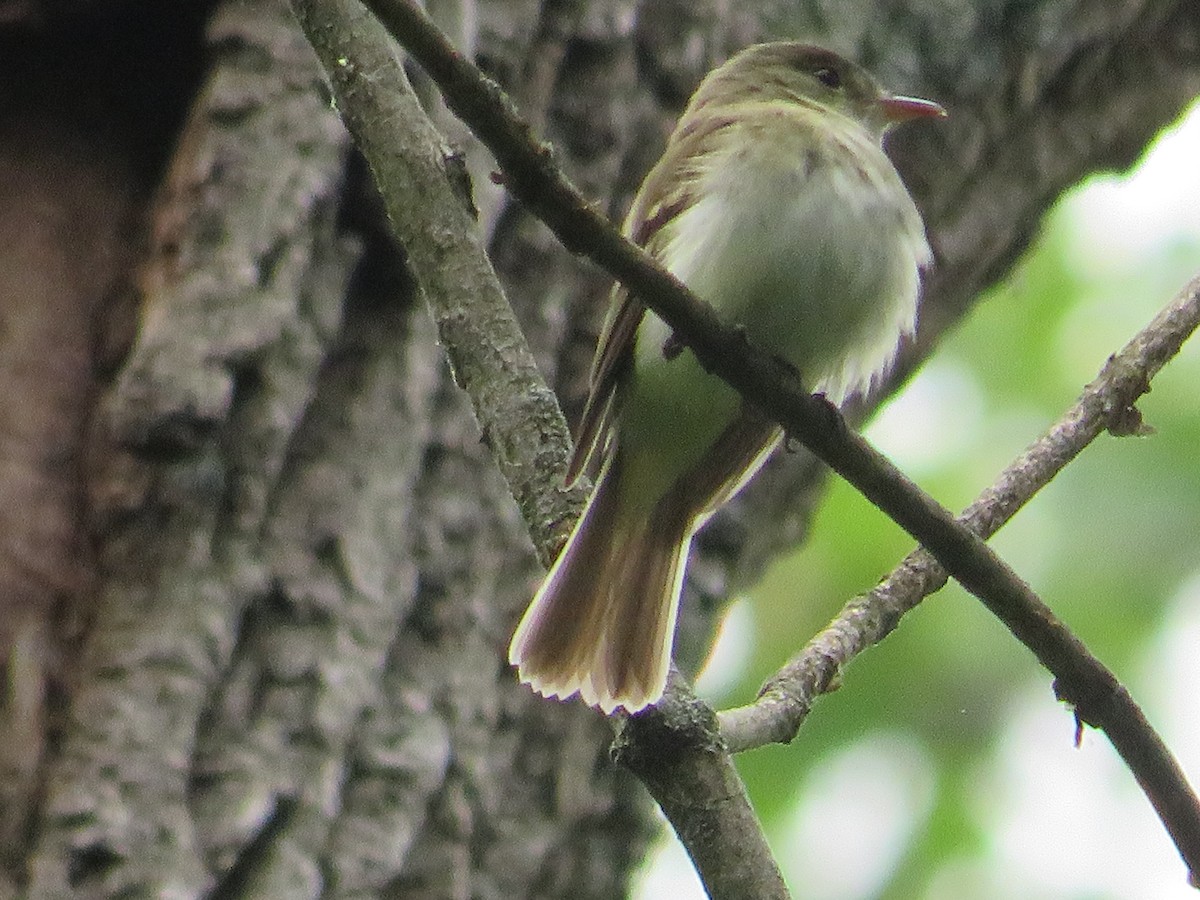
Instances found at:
x=1105 y=545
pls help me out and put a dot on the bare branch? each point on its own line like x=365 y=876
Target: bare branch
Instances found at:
x=1107 y=404
x=427 y=194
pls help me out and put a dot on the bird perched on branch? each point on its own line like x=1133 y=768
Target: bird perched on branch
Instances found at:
x=773 y=202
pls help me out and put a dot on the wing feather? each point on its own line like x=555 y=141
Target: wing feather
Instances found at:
x=668 y=191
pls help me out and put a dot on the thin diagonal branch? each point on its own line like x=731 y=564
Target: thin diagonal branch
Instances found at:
x=530 y=174
x=1105 y=404
x=427 y=195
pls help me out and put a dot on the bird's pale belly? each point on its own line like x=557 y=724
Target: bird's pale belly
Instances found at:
x=810 y=280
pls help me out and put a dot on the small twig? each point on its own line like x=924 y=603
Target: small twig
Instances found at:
x=532 y=177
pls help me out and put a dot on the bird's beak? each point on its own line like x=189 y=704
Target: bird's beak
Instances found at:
x=901 y=109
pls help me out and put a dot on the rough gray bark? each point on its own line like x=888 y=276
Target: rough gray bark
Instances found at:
x=258 y=570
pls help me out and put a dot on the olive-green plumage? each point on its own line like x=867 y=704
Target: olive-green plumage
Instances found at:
x=774 y=203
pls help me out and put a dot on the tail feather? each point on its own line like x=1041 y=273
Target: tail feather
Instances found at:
x=603 y=622
x=553 y=646
x=636 y=653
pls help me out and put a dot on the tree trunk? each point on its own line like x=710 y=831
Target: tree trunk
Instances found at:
x=258 y=569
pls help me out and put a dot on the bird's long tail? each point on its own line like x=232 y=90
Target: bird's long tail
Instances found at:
x=603 y=622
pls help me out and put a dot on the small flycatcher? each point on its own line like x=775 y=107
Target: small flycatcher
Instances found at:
x=774 y=203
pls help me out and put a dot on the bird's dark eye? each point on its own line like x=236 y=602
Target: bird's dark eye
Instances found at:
x=828 y=77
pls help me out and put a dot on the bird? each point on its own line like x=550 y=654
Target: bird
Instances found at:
x=775 y=203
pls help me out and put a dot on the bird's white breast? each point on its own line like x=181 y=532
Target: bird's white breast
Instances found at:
x=811 y=242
